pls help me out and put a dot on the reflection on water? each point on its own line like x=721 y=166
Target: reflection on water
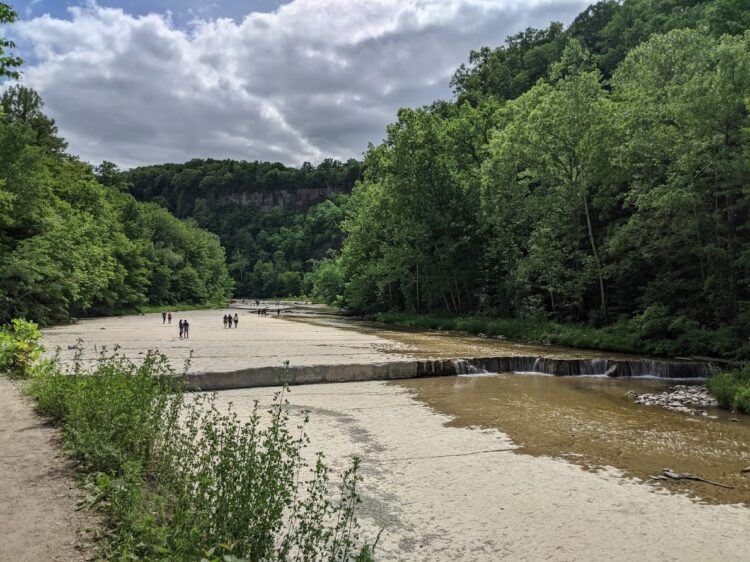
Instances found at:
x=593 y=422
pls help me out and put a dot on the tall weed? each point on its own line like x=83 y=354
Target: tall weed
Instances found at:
x=179 y=478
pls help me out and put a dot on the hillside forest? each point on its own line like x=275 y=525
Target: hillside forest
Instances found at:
x=72 y=243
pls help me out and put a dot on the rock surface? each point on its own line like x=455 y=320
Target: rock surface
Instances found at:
x=680 y=398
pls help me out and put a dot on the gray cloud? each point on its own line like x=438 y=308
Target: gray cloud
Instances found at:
x=316 y=78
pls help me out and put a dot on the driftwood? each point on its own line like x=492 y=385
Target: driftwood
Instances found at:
x=669 y=474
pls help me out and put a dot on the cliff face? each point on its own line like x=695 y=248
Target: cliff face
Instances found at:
x=286 y=199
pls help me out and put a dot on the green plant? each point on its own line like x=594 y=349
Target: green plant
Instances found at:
x=177 y=477
x=732 y=390
x=20 y=349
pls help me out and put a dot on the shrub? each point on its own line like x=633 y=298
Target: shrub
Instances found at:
x=732 y=390
x=178 y=478
x=19 y=348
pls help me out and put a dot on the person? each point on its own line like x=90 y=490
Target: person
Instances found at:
x=182 y=328
x=163 y=317
x=225 y=320
x=186 y=330
x=229 y=320
x=236 y=319
x=169 y=317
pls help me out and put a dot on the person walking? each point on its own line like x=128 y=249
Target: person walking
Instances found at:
x=225 y=320
x=163 y=317
x=229 y=320
x=186 y=330
x=182 y=328
x=236 y=320
x=169 y=317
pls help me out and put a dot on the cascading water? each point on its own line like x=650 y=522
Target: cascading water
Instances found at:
x=464 y=367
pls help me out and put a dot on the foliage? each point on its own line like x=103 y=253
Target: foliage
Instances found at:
x=278 y=230
x=71 y=246
x=732 y=390
x=617 y=203
x=8 y=62
x=19 y=348
x=643 y=334
x=326 y=281
x=178 y=478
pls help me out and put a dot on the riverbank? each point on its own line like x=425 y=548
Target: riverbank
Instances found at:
x=623 y=337
x=39 y=516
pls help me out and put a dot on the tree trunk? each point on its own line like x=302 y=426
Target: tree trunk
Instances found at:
x=598 y=262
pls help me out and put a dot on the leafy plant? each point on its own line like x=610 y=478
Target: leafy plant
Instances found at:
x=19 y=348
x=178 y=477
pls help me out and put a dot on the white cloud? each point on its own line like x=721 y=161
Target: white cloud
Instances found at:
x=315 y=78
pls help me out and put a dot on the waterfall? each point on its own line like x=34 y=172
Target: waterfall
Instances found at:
x=464 y=367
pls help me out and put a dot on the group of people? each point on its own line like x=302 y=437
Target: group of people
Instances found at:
x=228 y=320
x=166 y=318
x=184 y=329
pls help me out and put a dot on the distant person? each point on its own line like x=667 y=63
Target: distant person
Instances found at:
x=169 y=317
x=257 y=302
x=236 y=320
x=225 y=320
x=182 y=328
x=186 y=330
x=229 y=320
x=163 y=317
x=278 y=312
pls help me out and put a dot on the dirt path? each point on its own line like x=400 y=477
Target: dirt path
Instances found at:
x=38 y=496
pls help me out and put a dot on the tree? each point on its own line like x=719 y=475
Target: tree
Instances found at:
x=682 y=101
x=8 y=62
x=549 y=161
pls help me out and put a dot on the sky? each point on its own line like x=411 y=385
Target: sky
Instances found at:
x=150 y=81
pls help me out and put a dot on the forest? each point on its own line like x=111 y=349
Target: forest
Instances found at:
x=269 y=251
x=592 y=175
x=73 y=242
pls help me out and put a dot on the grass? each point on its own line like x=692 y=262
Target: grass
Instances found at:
x=178 y=307
x=732 y=390
x=178 y=478
x=639 y=336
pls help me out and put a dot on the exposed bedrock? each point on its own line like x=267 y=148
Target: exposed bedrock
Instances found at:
x=310 y=374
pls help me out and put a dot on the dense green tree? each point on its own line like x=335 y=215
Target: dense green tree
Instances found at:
x=609 y=186
x=71 y=246
x=8 y=63
x=681 y=98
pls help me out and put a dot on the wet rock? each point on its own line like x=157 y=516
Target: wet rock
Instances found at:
x=680 y=398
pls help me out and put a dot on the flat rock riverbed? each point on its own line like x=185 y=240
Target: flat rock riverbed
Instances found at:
x=269 y=341
x=449 y=486
x=479 y=467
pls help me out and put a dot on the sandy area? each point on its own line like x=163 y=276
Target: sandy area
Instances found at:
x=38 y=496
x=456 y=493
x=257 y=342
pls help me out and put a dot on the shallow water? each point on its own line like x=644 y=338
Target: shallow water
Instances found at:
x=592 y=421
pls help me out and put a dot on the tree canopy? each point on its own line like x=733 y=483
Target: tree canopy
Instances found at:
x=73 y=244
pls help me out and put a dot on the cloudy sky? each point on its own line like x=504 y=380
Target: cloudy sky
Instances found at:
x=150 y=81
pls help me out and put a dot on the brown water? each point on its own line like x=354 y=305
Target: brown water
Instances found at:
x=591 y=421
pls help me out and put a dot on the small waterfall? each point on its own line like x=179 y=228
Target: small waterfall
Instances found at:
x=646 y=368
x=464 y=367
